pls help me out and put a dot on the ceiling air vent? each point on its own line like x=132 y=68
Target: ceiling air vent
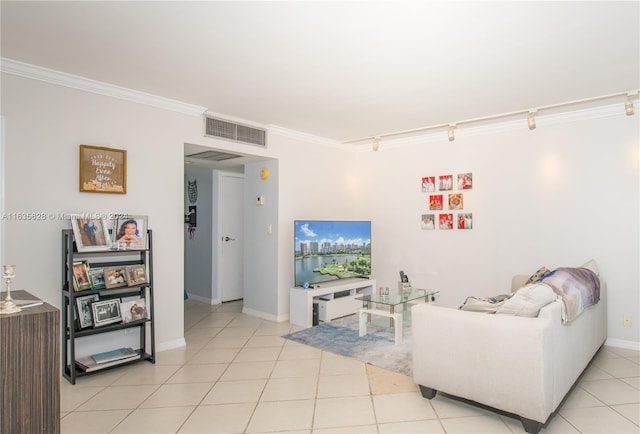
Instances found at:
x=218 y=128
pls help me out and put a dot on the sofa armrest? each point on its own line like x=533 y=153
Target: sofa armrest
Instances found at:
x=490 y=359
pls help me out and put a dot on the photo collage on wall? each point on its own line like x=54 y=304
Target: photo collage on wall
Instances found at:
x=445 y=204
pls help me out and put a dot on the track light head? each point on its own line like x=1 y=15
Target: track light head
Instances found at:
x=629 y=109
x=531 y=119
x=376 y=143
x=451 y=134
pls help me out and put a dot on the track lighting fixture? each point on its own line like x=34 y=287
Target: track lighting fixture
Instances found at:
x=628 y=106
x=531 y=114
x=531 y=119
x=451 y=134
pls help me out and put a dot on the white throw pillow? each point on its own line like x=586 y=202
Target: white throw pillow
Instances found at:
x=528 y=300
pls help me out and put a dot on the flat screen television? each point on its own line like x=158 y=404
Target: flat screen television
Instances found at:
x=328 y=250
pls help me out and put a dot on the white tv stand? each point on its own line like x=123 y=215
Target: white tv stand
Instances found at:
x=301 y=300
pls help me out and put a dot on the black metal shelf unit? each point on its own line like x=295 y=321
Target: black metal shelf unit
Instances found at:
x=71 y=332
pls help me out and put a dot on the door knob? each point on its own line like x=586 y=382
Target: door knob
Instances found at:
x=229 y=239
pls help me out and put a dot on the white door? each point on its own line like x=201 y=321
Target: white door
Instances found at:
x=231 y=266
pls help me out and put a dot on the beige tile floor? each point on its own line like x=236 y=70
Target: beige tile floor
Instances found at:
x=238 y=375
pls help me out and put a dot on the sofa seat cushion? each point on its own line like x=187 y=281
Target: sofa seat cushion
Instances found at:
x=528 y=300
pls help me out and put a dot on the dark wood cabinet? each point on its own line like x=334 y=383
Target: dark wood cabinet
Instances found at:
x=30 y=368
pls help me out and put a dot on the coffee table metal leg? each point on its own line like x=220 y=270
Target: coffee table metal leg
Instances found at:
x=398 y=327
x=362 y=317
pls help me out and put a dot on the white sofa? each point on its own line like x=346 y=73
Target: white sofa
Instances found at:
x=519 y=365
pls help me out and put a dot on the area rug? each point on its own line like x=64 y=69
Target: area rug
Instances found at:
x=377 y=347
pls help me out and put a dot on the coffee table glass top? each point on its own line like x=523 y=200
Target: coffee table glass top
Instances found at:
x=396 y=297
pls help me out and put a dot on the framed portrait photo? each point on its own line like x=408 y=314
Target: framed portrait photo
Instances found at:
x=115 y=277
x=130 y=233
x=103 y=170
x=106 y=312
x=90 y=235
x=136 y=274
x=81 y=279
x=83 y=305
x=97 y=278
x=134 y=310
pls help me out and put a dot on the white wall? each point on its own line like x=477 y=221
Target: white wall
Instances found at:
x=556 y=196
x=45 y=124
x=261 y=241
x=315 y=182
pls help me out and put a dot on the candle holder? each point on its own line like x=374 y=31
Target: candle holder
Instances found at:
x=8 y=306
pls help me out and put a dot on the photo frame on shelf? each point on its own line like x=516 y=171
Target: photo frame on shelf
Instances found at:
x=97 y=278
x=134 y=310
x=90 y=235
x=81 y=279
x=103 y=170
x=83 y=306
x=130 y=233
x=106 y=312
x=115 y=277
x=136 y=274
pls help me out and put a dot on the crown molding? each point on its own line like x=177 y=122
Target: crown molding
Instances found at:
x=309 y=138
x=14 y=67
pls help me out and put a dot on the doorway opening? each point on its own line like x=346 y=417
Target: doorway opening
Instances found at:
x=214 y=230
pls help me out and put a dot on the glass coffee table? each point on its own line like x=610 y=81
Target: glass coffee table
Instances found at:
x=396 y=299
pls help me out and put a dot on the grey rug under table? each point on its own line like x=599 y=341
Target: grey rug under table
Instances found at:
x=377 y=347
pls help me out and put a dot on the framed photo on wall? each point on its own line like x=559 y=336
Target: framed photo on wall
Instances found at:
x=445 y=221
x=465 y=221
x=428 y=222
x=455 y=201
x=103 y=170
x=465 y=181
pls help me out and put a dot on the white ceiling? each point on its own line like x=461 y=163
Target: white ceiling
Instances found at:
x=339 y=70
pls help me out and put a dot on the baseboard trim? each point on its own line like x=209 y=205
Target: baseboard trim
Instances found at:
x=260 y=314
x=171 y=345
x=620 y=343
x=201 y=299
